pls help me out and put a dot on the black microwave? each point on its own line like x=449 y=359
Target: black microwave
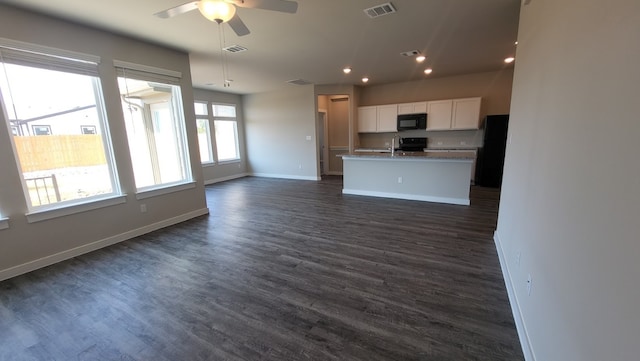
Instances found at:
x=412 y=121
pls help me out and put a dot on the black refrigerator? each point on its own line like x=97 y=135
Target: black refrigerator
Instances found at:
x=491 y=156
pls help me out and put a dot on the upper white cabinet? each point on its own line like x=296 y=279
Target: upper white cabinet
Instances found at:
x=466 y=113
x=387 y=118
x=367 y=119
x=412 y=108
x=378 y=119
x=449 y=114
x=453 y=114
x=439 y=114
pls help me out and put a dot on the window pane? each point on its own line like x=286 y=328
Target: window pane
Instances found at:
x=204 y=141
x=224 y=110
x=227 y=139
x=201 y=108
x=155 y=130
x=46 y=110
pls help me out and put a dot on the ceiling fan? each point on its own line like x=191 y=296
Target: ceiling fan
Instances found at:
x=224 y=11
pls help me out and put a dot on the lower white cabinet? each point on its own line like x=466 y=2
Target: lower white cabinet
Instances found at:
x=378 y=119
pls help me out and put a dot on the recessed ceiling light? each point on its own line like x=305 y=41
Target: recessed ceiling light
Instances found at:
x=420 y=58
x=428 y=71
x=365 y=79
x=509 y=60
x=346 y=70
x=516 y=43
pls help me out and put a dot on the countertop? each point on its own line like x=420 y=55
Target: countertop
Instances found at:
x=438 y=155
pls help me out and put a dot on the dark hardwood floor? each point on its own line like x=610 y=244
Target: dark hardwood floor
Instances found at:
x=280 y=270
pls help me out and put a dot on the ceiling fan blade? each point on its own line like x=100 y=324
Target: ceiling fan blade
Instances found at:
x=177 y=10
x=284 y=6
x=238 y=26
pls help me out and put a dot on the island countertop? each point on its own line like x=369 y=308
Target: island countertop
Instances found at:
x=450 y=156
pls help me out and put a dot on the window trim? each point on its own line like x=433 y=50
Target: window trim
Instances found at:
x=150 y=192
x=51 y=59
x=237 y=135
x=75 y=208
x=152 y=74
x=210 y=143
x=237 y=140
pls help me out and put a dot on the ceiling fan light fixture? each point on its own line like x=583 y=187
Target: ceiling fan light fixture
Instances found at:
x=216 y=10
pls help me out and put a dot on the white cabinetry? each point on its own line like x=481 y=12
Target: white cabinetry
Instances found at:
x=367 y=119
x=466 y=113
x=387 y=118
x=378 y=119
x=412 y=108
x=453 y=114
x=439 y=114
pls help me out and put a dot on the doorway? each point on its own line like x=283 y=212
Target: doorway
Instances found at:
x=333 y=132
x=323 y=144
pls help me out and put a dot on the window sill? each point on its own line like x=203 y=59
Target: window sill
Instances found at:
x=208 y=164
x=4 y=223
x=144 y=194
x=42 y=215
x=230 y=161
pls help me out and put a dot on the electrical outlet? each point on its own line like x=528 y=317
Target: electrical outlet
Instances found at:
x=518 y=259
x=386 y=144
x=399 y=179
x=299 y=166
x=529 y=285
x=308 y=137
x=143 y=208
x=463 y=143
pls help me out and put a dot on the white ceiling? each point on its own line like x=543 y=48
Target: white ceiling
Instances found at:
x=324 y=36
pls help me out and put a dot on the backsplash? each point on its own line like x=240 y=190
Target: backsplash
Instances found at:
x=435 y=139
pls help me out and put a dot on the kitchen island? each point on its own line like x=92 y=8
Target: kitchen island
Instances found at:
x=422 y=176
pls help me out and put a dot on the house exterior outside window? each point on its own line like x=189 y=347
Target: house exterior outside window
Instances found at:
x=46 y=96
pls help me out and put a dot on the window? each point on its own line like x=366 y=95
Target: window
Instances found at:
x=154 y=120
x=88 y=129
x=226 y=131
x=46 y=97
x=41 y=130
x=204 y=133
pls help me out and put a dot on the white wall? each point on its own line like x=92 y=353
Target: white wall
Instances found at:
x=213 y=173
x=25 y=246
x=277 y=125
x=571 y=191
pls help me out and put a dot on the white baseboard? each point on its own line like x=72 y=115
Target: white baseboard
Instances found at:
x=513 y=300
x=284 y=176
x=223 y=179
x=411 y=197
x=80 y=250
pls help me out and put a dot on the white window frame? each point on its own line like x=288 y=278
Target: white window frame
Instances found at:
x=170 y=77
x=210 y=139
x=237 y=137
x=42 y=57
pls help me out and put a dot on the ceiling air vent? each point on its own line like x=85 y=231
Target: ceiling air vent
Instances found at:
x=235 y=48
x=380 y=10
x=410 y=53
x=299 y=82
